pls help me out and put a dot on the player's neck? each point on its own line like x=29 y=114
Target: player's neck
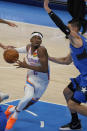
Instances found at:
x=33 y=48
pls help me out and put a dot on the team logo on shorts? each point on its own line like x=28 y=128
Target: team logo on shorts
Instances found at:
x=84 y=89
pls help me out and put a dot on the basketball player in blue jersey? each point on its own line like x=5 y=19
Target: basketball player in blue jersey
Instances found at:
x=37 y=76
x=76 y=92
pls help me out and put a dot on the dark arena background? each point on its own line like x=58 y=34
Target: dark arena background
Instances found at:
x=56 y=4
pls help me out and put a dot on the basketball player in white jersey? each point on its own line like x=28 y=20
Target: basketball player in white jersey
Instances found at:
x=37 y=77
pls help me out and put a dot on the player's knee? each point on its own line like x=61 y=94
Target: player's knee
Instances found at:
x=71 y=104
x=26 y=100
x=65 y=92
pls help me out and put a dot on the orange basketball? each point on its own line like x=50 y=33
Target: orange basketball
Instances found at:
x=11 y=55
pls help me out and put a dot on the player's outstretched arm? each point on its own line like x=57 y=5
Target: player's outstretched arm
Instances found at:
x=3 y=46
x=6 y=47
x=59 y=23
x=64 y=60
x=7 y=22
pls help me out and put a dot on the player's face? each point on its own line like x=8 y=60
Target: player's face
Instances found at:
x=36 y=41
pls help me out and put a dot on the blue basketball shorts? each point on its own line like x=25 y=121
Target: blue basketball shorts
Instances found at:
x=76 y=86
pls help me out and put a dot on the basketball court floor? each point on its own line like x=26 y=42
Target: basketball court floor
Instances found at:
x=51 y=112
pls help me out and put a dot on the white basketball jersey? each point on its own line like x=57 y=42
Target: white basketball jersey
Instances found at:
x=33 y=59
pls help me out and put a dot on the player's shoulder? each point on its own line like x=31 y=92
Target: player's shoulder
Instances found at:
x=42 y=50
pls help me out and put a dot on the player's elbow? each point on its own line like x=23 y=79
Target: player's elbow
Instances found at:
x=68 y=63
x=47 y=8
x=44 y=70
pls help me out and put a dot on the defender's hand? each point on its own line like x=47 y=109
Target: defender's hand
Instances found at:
x=12 y=24
x=6 y=47
x=46 y=2
x=10 y=47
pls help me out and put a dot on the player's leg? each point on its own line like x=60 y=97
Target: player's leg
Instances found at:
x=33 y=101
x=75 y=122
x=40 y=88
x=29 y=92
x=12 y=108
x=74 y=103
x=68 y=93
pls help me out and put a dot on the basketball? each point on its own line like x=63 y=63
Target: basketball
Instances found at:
x=11 y=55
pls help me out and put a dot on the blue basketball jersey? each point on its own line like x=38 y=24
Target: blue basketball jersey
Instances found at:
x=79 y=56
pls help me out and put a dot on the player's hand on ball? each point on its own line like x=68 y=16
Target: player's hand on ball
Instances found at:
x=21 y=64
